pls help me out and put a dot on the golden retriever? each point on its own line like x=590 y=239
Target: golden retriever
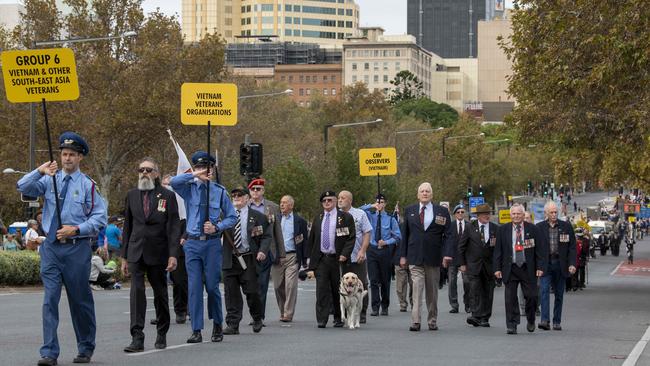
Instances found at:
x=351 y=294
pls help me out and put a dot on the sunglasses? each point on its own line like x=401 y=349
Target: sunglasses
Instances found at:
x=237 y=194
x=460 y=212
x=145 y=169
x=257 y=189
x=327 y=200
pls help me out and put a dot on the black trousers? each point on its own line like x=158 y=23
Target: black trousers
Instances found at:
x=361 y=270
x=379 y=271
x=157 y=277
x=481 y=295
x=519 y=276
x=179 y=289
x=104 y=280
x=328 y=278
x=235 y=279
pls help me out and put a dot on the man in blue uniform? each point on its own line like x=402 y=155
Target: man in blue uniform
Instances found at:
x=65 y=253
x=203 y=249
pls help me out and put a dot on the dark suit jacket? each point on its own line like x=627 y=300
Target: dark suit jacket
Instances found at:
x=259 y=243
x=272 y=210
x=155 y=238
x=566 y=249
x=426 y=247
x=300 y=237
x=454 y=225
x=476 y=254
x=343 y=244
x=503 y=252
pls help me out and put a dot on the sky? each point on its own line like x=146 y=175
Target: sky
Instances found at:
x=389 y=14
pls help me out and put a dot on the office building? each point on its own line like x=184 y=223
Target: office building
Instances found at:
x=307 y=81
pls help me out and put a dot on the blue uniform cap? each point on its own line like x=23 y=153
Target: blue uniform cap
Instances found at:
x=458 y=207
x=203 y=158
x=71 y=140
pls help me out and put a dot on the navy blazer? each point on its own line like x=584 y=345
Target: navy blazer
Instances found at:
x=566 y=249
x=474 y=253
x=300 y=237
x=536 y=255
x=427 y=247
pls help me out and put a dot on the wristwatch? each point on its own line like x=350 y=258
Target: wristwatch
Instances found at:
x=77 y=231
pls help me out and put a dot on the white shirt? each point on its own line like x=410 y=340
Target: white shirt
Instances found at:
x=460 y=227
x=428 y=214
x=486 y=231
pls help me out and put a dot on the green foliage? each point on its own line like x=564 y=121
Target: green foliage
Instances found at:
x=19 y=268
x=434 y=114
x=295 y=179
x=580 y=78
x=407 y=87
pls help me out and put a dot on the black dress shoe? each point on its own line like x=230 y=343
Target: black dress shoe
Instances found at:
x=82 y=359
x=403 y=310
x=473 y=321
x=415 y=327
x=374 y=313
x=362 y=319
x=217 y=333
x=47 y=361
x=384 y=312
x=433 y=327
x=511 y=331
x=338 y=324
x=161 y=342
x=484 y=324
x=321 y=325
x=230 y=330
x=181 y=318
x=453 y=311
x=557 y=327
x=467 y=309
x=137 y=345
x=258 y=325
x=530 y=327
x=544 y=326
x=153 y=321
x=196 y=337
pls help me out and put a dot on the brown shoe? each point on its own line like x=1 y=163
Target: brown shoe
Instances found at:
x=415 y=327
x=433 y=327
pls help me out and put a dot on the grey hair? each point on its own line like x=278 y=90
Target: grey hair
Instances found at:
x=548 y=205
x=290 y=198
x=150 y=160
x=519 y=206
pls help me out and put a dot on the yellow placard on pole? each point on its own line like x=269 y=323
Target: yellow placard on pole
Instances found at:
x=34 y=75
x=203 y=102
x=374 y=162
x=504 y=216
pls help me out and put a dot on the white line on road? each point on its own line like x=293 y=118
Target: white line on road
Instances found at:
x=162 y=350
x=638 y=349
x=616 y=269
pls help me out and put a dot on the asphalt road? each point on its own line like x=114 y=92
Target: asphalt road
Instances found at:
x=602 y=325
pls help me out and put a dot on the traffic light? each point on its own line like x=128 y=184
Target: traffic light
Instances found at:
x=250 y=159
x=530 y=186
x=469 y=191
x=480 y=190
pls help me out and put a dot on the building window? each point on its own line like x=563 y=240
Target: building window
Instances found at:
x=267 y=7
x=308 y=79
x=325 y=91
x=282 y=78
x=354 y=66
x=385 y=78
x=308 y=91
x=340 y=24
x=296 y=32
x=324 y=78
x=385 y=65
x=354 y=78
x=397 y=66
x=296 y=20
x=366 y=66
x=333 y=78
x=302 y=93
x=376 y=66
x=341 y=11
x=333 y=91
x=291 y=78
x=348 y=24
x=375 y=78
x=287 y=8
x=314 y=78
x=397 y=53
x=348 y=12
x=302 y=104
x=366 y=79
x=287 y=20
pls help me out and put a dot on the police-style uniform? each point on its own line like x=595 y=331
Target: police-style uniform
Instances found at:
x=67 y=262
x=203 y=253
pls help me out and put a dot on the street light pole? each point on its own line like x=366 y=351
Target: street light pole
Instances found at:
x=457 y=137
x=327 y=127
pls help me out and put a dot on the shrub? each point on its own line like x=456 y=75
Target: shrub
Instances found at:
x=19 y=268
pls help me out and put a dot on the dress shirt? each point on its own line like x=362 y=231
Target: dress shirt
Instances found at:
x=428 y=214
x=258 y=207
x=486 y=230
x=361 y=226
x=288 y=232
x=514 y=240
x=331 y=230
x=553 y=237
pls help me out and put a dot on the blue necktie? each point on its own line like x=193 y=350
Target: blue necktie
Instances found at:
x=378 y=231
x=54 y=225
x=326 y=233
x=202 y=205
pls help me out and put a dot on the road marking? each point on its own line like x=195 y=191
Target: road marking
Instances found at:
x=633 y=357
x=162 y=350
x=616 y=269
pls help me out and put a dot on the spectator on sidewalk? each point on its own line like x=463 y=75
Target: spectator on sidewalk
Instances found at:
x=113 y=238
x=100 y=276
x=32 y=239
x=10 y=243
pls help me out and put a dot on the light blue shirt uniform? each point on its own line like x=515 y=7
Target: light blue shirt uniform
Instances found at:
x=288 y=232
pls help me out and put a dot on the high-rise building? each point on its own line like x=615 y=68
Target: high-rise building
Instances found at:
x=327 y=22
x=448 y=28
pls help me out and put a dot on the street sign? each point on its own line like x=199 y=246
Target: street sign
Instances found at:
x=537 y=212
x=474 y=202
x=504 y=216
x=645 y=213
x=37 y=75
x=209 y=102
x=373 y=162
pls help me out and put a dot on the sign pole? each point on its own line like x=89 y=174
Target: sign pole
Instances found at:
x=49 y=146
x=378 y=185
x=207 y=205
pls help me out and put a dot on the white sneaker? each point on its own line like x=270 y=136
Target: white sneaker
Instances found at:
x=95 y=287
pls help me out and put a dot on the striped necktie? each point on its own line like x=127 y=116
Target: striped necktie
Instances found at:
x=238 y=231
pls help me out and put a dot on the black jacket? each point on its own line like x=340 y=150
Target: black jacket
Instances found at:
x=476 y=254
x=426 y=247
x=155 y=238
x=259 y=237
x=343 y=244
x=566 y=245
x=535 y=251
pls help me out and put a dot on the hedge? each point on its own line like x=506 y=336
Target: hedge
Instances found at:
x=20 y=268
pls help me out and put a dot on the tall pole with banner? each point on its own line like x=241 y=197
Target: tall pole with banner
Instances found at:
x=377 y=162
x=208 y=104
x=39 y=76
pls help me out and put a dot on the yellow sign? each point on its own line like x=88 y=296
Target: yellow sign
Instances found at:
x=34 y=75
x=631 y=219
x=203 y=102
x=504 y=216
x=374 y=162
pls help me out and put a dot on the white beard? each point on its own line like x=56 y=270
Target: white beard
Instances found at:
x=146 y=184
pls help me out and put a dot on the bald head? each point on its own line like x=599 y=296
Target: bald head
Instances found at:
x=345 y=200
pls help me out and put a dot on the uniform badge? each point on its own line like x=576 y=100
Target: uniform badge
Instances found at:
x=162 y=205
x=441 y=220
x=529 y=243
x=342 y=231
x=493 y=241
x=564 y=238
x=256 y=231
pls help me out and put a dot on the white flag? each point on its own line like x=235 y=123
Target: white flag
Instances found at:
x=182 y=168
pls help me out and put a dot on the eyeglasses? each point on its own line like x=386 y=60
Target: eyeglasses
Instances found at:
x=237 y=194
x=460 y=212
x=257 y=189
x=327 y=200
x=146 y=169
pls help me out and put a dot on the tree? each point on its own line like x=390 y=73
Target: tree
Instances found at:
x=581 y=81
x=407 y=86
x=434 y=114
